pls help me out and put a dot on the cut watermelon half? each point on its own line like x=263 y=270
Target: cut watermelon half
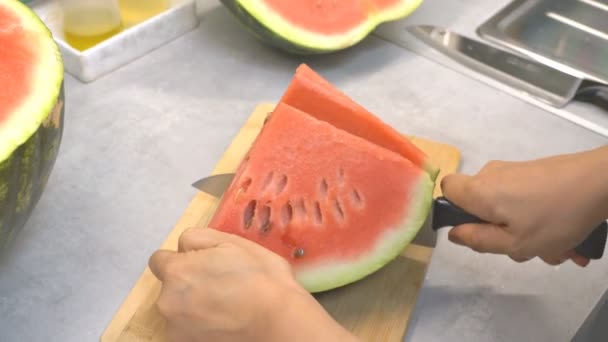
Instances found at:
x=311 y=93
x=316 y=26
x=31 y=72
x=31 y=113
x=336 y=206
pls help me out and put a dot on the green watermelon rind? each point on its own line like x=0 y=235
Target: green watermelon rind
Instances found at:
x=23 y=124
x=274 y=30
x=334 y=274
x=23 y=178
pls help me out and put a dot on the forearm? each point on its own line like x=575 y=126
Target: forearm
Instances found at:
x=595 y=182
x=304 y=319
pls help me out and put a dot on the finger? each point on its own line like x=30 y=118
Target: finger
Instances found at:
x=554 y=261
x=520 y=259
x=158 y=263
x=482 y=238
x=471 y=195
x=205 y=238
x=196 y=239
x=454 y=188
x=578 y=259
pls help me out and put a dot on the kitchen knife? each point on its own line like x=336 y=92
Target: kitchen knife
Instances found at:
x=444 y=214
x=535 y=79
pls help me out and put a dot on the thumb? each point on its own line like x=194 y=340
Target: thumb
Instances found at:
x=482 y=238
x=158 y=263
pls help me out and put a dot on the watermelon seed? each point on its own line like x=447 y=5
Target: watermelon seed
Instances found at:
x=324 y=187
x=268 y=180
x=238 y=194
x=264 y=218
x=249 y=213
x=246 y=184
x=301 y=207
x=281 y=184
x=357 y=197
x=339 y=210
x=341 y=176
x=298 y=253
x=265 y=228
x=287 y=214
x=242 y=189
x=318 y=214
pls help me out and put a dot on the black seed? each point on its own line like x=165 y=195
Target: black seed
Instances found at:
x=266 y=227
x=323 y=187
x=264 y=217
x=339 y=210
x=287 y=214
x=249 y=214
x=298 y=253
x=356 y=197
x=281 y=184
x=318 y=214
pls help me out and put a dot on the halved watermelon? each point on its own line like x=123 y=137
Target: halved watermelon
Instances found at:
x=336 y=206
x=31 y=113
x=311 y=93
x=316 y=26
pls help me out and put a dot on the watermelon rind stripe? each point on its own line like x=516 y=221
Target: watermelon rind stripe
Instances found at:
x=282 y=33
x=332 y=274
x=48 y=80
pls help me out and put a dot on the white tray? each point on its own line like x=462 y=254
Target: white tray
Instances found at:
x=122 y=48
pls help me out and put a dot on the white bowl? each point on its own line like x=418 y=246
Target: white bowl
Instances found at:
x=122 y=48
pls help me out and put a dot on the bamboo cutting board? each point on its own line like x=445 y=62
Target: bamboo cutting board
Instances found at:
x=377 y=308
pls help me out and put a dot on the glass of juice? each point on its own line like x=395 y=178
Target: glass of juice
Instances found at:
x=87 y=23
x=136 y=11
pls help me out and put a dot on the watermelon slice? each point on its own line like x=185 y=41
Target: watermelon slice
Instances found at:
x=316 y=26
x=336 y=206
x=31 y=113
x=311 y=93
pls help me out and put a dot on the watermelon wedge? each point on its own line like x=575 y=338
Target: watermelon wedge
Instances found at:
x=316 y=26
x=336 y=206
x=31 y=113
x=311 y=93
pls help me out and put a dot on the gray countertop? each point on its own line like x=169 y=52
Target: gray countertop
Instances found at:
x=136 y=139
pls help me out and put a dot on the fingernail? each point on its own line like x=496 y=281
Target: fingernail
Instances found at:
x=456 y=239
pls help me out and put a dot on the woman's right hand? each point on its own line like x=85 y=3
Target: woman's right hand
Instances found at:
x=540 y=208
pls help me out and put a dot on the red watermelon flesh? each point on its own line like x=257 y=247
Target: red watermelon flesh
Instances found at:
x=17 y=55
x=314 y=95
x=325 y=16
x=330 y=16
x=336 y=206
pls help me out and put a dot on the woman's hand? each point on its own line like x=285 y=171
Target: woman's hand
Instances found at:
x=220 y=287
x=541 y=208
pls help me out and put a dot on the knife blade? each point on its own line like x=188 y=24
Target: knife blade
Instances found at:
x=444 y=214
x=537 y=80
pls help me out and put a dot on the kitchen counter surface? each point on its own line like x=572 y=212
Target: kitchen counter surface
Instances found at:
x=136 y=139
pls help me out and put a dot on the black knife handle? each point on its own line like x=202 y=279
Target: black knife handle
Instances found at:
x=446 y=214
x=594 y=93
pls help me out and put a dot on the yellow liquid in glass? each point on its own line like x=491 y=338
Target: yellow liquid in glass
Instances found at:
x=87 y=27
x=134 y=12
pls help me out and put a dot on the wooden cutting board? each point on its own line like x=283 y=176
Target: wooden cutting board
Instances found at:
x=377 y=308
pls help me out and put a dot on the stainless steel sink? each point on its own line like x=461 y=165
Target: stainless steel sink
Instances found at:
x=571 y=35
